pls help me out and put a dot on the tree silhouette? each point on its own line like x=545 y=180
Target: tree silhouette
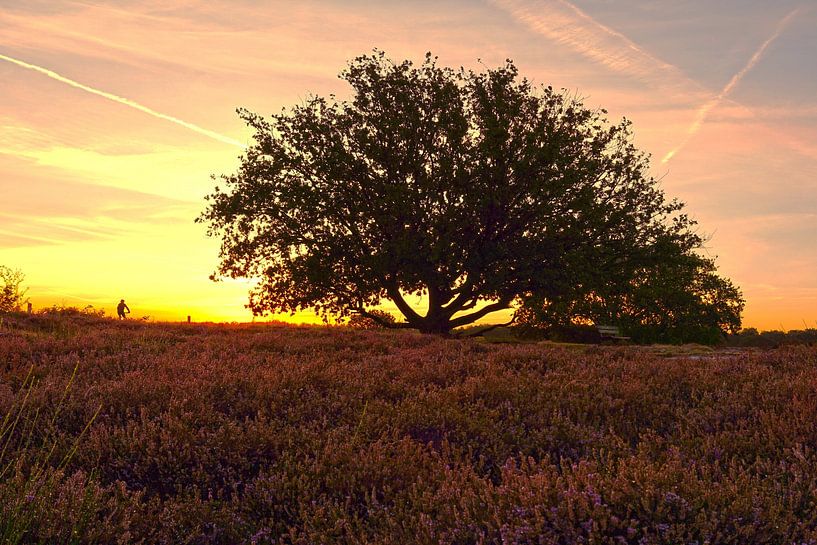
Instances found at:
x=474 y=189
x=12 y=294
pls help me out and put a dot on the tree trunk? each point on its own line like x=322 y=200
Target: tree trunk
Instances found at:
x=440 y=320
x=434 y=327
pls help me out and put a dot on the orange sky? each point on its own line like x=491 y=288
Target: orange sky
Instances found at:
x=112 y=119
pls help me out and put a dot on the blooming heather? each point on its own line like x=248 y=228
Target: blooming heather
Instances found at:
x=218 y=434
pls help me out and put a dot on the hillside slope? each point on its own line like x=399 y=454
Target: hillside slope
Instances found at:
x=261 y=434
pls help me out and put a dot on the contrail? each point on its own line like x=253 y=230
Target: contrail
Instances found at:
x=700 y=117
x=564 y=23
x=127 y=102
x=629 y=45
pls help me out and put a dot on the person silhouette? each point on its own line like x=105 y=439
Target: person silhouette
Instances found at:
x=121 y=308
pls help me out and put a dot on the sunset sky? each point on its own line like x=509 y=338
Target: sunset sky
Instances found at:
x=114 y=115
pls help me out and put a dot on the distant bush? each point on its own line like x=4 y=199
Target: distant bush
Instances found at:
x=358 y=321
x=573 y=333
x=503 y=334
x=67 y=310
x=751 y=337
x=588 y=334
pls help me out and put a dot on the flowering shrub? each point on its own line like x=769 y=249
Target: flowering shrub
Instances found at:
x=282 y=434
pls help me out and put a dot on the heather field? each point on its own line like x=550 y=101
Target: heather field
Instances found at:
x=172 y=434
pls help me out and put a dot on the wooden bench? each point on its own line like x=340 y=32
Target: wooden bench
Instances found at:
x=611 y=333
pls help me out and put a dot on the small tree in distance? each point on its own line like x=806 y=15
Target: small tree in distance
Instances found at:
x=475 y=189
x=12 y=294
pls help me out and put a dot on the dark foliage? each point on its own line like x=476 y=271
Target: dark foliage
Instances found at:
x=69 y=310
x=751 y=337
x=474 y=189
x=675 y=297
x=374 y=319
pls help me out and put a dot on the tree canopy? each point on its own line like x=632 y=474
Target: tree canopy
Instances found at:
x=677 y=299
x=475 y=189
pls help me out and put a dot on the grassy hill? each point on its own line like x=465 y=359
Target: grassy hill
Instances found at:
x=259 y=434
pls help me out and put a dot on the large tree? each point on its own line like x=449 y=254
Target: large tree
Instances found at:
x=471 y=188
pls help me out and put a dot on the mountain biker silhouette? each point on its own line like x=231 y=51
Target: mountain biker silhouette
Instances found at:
x=121 y=308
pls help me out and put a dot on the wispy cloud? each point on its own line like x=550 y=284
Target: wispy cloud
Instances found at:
x=125 y=101
x=566 y=24
x=21 y=231
x=163 y=172
x=196 y=39
x=713 y=102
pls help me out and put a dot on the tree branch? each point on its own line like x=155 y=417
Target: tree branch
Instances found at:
x=395 y=295
x=459 y=303
x=434 y=302
x=502 y=304
x=489 y=328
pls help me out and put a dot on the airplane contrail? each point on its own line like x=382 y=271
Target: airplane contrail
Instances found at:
x=704 y=110
x=566 y=24
x=127 y=102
